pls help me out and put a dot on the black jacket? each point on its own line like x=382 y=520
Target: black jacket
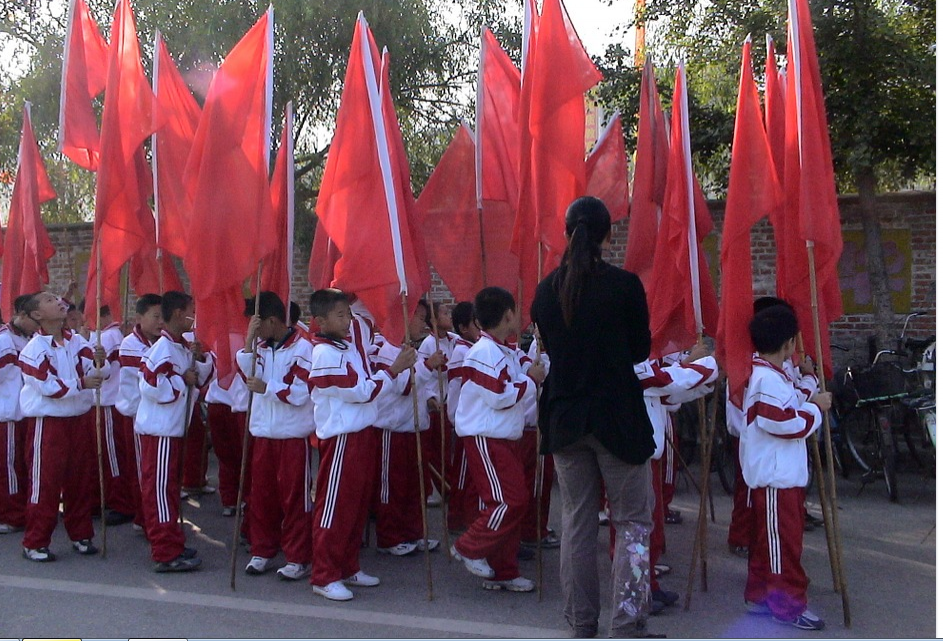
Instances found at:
x=592 y=387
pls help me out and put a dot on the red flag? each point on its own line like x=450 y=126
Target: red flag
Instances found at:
x=123 y=220
x=753 y=192
x=775 y=110
x=26 y=246
x=362 y=203
x=607 y=170
x=277 y=267
x=324 y=255
x=811 y=210
x=648 y=184
x=84 y=73
x=229 y=199
x=170 y=146
x=681 y=298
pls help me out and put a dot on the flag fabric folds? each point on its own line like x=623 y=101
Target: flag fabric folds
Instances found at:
x=84 y=74
x=607 y=170
x=277 y=267
x=26 y=246
x=753 y=192
x=324 y=255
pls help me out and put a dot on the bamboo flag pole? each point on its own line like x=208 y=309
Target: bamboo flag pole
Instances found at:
x=237 y=525
x=98 y=395
x=160 y=254
x=538 y=475
x=479 y=117
x=443 y=435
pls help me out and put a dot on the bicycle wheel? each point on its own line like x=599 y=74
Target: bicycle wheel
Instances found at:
x=888 y=452
x=859 y=432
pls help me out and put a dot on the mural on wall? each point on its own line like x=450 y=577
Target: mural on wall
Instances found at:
x=853 y=271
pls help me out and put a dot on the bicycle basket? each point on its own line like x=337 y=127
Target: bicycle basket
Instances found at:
x=882 y=381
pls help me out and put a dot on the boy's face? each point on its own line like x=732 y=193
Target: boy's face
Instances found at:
x=336 y=323
x=470 y=332
x=151 y=323
x=790 y=347
x=444 y=319
x=53 y=308
x=513 y=320
x=188 y=316
x=417 y=324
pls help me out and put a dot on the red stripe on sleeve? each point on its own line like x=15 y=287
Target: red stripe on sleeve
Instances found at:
x=488 y=382
x=344 y=381
x=780 y=415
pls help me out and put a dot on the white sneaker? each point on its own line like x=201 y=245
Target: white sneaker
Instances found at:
x=603 y=517
x=478 y=567
x=335 y=591
x=363 y=580
x=293 y=571
x=40 y=555
x=519 y=584
x=258 y=565
x=422 y=543
x=434 y=499
x=399 y=550
x=6 y=528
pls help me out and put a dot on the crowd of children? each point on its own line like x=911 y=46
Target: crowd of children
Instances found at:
x=352 y=396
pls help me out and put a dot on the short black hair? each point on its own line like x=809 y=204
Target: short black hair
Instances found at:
x=323 y=301
x=765 y=302
x=31 y=305
x=20 y=301
x=145 y=302
x=105 y=310
x=425 y=305
x=269 y=305
x=490 y=305
x=772 y=328
x=463 y=315
x=171 y=302
x=294 y=312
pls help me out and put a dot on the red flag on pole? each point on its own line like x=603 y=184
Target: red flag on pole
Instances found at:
x=324 y=255
x=123 y=220
x=230 y=226
x=607 y=170
x=26 y=246
x=277 y=267
x=648 y=184
x=685 y=305
x=811 y=213
x=170 y=148
x=84 y=73
x=775 y=109
x=752 y=193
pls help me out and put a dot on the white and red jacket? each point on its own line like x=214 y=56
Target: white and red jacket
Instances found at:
x=530 y=413
x=111 y=339
x=162 y=410
x=134 y=347
x=343 y=389
x=396 y=410
x=236 y=397
x=53 y=373
x=667 y=386
x=426 y=349
x=805 y=384
x=772 y=443
x=494 y=394
x=284 y=411
x=456 y=376
x=11 y=377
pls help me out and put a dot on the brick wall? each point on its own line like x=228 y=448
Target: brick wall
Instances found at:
x=912 y=216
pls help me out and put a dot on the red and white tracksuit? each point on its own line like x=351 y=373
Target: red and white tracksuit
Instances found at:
x=281 y=420
x=117 y=462
x=432 y=438
x=529 y=458
x=61 y=455
x=344 y=393
x=773 y=459
x=134 y=347
x=464 y=503
x=226 y=415
x=490 y=420
x=14 y=479
x=159 y=422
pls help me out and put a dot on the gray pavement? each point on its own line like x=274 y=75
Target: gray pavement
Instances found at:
x=890 y=564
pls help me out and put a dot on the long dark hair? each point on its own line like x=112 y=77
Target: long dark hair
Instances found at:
x=587 y=225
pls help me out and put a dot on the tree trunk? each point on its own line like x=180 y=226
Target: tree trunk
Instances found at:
x=877 y=267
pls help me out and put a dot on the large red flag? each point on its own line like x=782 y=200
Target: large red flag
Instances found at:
x=682 y=300
x=26 y=246
x=123 y=220
x=324 y=255
x=607 y=170
x=84 y=73
x=775 y=110
x=230 y=226
x=277 y=266
x=648 y=184
x=811 y=212
x=361 y=203
x=753 y=192
x=170 y=148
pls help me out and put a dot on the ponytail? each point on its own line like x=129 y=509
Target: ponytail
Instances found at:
x=587 y=226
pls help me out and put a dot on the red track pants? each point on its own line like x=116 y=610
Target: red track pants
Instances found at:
x=398 y=501
x=14 y=479
x=160 y=495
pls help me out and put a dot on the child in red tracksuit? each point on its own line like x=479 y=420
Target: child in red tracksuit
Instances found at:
x=490 y=421
x=282 y=418
x=171 y=372
x=60 y=372
x=344 y=392
x=774 y=463
x=463 y=498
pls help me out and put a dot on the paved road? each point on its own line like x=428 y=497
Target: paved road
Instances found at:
x=890 y=564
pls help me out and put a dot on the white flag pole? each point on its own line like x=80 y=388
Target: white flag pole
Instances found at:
x=689 y=188
x=290 y=201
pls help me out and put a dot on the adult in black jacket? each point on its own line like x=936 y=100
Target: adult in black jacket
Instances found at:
x=593 y=320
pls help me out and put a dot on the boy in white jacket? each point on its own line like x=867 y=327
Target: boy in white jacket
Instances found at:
x=490 y=419
x=773 y=458
x=282 y=418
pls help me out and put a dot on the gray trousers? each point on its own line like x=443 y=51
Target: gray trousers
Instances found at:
x=580 y=469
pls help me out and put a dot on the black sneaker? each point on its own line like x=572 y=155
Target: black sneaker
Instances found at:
x=180 y=564
x=665 y=596
x=117 y=518
x=805 y=621
x=84 y=547
x=188 y=553
x=657 y=607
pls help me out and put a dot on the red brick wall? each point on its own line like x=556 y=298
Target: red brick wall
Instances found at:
x=912 y=212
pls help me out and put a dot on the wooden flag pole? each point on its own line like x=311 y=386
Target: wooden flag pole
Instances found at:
x=237 y=526
x=422 y=479
x=538 y=474
x=183 y=448
x=481 y=240
x=827 y=429
x=98 y=396
x=443 y=434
